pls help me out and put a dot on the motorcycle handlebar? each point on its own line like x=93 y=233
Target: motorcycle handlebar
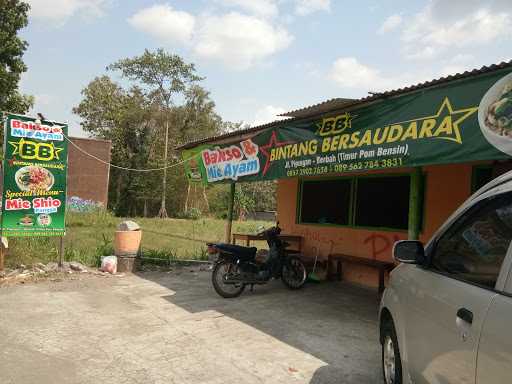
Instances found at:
x=271 y=231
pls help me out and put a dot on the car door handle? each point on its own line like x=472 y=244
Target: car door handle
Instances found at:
x=466 y=315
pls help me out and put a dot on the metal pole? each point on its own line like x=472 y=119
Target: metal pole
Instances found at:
x=1 y=256
x=4 y=145
x=61 y=251
x=229 y=219
x=416 y=191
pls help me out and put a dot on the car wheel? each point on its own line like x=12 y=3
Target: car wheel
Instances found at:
x=391 y=362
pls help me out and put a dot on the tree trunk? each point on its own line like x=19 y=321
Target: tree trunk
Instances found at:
x=145 y=207
x=163 y=211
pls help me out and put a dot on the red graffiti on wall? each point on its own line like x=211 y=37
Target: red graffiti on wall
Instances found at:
x=380 y=244
x=320 y=243
x=317 y=236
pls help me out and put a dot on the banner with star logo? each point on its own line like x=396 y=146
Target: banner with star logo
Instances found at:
x=34 y=177
x=459 y=121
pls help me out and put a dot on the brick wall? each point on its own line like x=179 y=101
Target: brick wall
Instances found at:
x=87 y=177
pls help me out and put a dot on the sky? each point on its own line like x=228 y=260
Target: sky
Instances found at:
x=262 y=57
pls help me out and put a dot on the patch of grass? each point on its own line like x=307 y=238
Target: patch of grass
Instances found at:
x=90 y=235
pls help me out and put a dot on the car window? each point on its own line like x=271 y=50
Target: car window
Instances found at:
x=474 y=247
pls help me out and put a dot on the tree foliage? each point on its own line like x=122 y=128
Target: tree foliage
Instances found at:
x=163 y=75
x=13 y=17
x=133 y=119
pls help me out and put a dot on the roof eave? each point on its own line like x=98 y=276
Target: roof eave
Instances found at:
x=351 y=103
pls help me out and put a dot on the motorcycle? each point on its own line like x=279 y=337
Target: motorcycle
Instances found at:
x=236 y=267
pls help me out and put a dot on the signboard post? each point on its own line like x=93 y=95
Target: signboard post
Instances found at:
x=34 y=177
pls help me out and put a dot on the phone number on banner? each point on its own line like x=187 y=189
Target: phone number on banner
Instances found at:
x=346 y=167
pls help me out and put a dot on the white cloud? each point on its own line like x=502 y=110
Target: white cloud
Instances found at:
x=268 y=114
x=59 y=11
x=305 y=7
x=265 y=8
x=350 y=73
x=442 y=25
x=164 y=23
x=457 y=64
x=239 y=41
x=391 y=23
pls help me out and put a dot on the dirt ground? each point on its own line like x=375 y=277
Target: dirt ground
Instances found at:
x=160 y=327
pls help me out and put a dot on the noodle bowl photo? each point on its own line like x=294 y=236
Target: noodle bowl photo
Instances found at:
x=495 y=114
x=34 y=178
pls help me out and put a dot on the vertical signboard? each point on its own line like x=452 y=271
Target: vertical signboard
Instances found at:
x=34 y=177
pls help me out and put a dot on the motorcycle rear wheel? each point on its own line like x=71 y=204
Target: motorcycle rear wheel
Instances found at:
x=294 y=273
x=220 y=272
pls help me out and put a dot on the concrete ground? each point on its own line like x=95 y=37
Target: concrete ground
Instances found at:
x=160 y=327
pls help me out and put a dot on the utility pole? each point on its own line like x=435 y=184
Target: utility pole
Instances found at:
x=162 y=213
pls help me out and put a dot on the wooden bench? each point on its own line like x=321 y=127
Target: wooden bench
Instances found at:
x=339 y=259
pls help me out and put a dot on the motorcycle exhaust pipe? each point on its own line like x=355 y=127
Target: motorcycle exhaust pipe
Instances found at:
x=246 y=282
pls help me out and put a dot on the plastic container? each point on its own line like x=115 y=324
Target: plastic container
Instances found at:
x=126 y=247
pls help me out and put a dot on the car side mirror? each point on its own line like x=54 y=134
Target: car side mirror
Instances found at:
x=409 y=252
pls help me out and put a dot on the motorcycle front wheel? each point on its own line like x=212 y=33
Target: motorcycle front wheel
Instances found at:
x=294 y=273
x=222 y=271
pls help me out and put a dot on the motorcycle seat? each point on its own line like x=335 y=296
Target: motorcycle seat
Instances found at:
x=245 y=253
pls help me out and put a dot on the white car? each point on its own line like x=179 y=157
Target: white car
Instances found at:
x=446 y=316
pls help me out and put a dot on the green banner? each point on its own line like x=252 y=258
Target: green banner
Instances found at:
x=34 y=177
x=460 y=121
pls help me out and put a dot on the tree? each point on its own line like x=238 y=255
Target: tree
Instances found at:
x=13 y=17
x=101 y=107
x=163 y=76
x=126 y=118
x=196 y=118
x=131 y=119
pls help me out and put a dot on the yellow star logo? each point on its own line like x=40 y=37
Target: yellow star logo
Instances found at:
x=446 y=106
x=31 y=150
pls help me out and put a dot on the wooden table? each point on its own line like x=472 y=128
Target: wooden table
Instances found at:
x=292 y=239
x=339 y=259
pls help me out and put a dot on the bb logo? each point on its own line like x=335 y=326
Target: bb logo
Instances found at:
x=335 y=125
x=31 y=150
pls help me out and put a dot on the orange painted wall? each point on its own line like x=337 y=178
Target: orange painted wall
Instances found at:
x=446 y=187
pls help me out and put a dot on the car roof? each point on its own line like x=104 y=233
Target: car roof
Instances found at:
x=500 y=184
x=495 y=183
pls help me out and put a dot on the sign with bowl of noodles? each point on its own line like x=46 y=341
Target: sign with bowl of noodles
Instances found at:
x=495 y=114
x=34 y=177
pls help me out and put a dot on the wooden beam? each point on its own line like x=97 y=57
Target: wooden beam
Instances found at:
x=229 y=219
x=415 y=198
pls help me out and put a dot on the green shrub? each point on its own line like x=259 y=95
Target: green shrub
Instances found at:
x=191 y=214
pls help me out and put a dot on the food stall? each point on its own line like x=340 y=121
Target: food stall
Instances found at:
x=354 y=176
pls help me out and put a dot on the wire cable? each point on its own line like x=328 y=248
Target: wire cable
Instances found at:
x=124 y=168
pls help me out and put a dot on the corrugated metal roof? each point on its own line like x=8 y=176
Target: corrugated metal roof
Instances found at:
x=339 y=103
x=240 y=132
x=322 y=107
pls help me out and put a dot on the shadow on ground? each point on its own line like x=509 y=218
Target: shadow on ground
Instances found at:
x=334 y=322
